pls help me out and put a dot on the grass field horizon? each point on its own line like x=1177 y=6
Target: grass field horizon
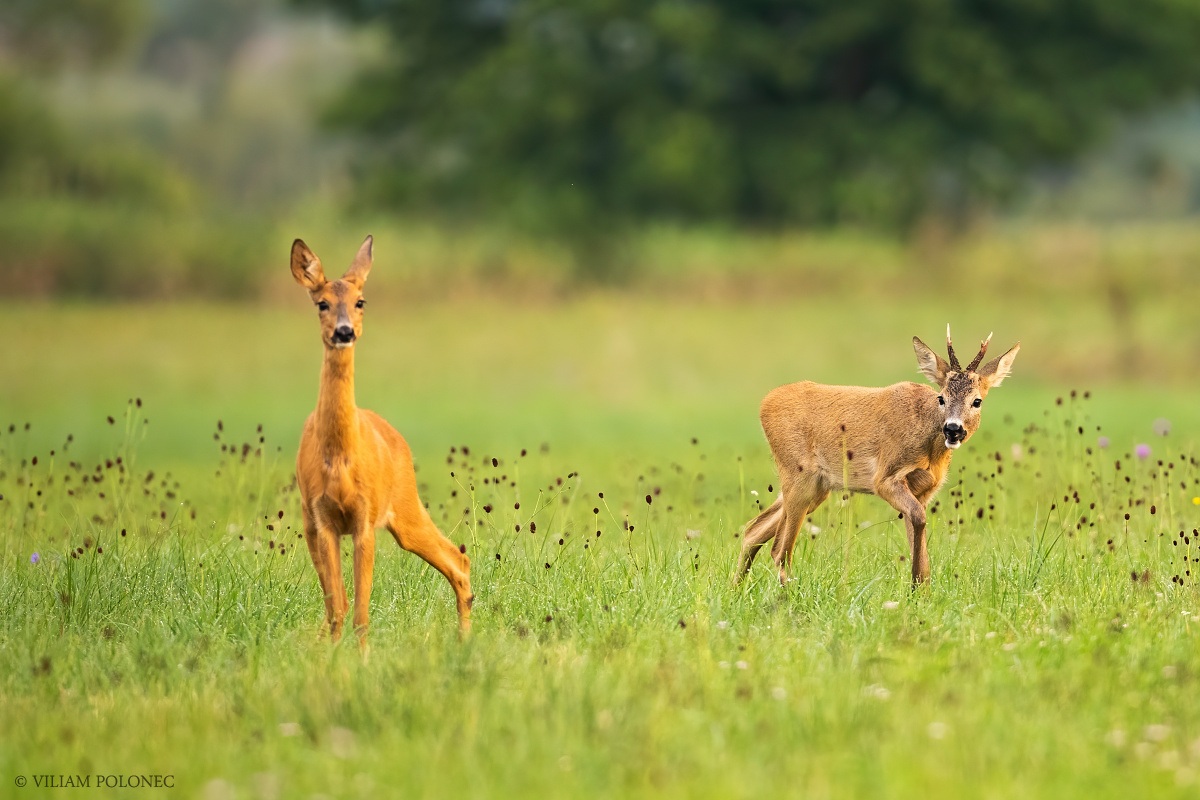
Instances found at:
x=171 y=623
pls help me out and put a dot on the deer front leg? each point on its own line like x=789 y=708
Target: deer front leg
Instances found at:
x=327 y=560
x=364 y=569
x=897 y=493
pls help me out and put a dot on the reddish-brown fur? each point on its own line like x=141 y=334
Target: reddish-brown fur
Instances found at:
x=355 y=472
x=891 y=442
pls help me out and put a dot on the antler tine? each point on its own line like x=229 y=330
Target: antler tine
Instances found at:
x=954 y=365
x=982 y=351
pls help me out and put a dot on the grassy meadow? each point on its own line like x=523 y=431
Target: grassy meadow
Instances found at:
x=597 y=453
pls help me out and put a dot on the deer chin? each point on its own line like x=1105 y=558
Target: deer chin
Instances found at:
x=953 y=445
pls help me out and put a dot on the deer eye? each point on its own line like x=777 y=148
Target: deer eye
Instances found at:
x=360 y=303
x=322 y=306
x=941 y=400
x=977 y=402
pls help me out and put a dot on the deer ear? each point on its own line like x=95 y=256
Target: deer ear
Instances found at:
x=357 y=274
x=932 y=365
x=995 y=371
x=306 y=267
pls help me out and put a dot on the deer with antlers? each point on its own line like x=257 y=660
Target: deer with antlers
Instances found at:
x=894 y=442
x=354 y=471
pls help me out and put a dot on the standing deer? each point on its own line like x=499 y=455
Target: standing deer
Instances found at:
x=355 y=472
x=895 y=442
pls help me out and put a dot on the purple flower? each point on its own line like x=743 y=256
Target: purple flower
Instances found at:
x=1142 y=451
x=1103 y=442
x=35 y=558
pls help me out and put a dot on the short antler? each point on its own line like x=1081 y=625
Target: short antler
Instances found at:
x=954 y=365
x=982 y=351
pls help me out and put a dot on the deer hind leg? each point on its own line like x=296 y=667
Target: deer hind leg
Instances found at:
x=898 y=493
x=364 y=569
x=799 y=501
x=424 y=539
x=327 y=560
x=758 y=532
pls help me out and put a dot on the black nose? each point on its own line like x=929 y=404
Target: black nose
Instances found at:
x=953 y=431
x=343 y=333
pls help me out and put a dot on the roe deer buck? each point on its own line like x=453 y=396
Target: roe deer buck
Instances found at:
x=894 y=442
x=355 y=472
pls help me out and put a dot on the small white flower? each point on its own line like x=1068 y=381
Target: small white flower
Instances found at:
x=1008 y=647
x=342 y=742
x=937 y=730
x=742 y=665
x=1156 y=733
x=990 y=635
x=723 y=624
x=692 y=533
x=754 y=492
x=876 y=691
x=890 y=605
x=814 y=528
x=779 y=693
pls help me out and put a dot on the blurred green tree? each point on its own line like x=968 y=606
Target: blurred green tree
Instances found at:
x=50 y=33
x=573 y=115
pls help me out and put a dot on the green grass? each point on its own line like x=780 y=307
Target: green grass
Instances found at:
x=624 y=664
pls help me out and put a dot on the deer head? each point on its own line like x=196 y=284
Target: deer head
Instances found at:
x=339 y=303
x=961 y=391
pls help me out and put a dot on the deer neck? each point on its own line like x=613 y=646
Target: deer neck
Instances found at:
x=337 y=415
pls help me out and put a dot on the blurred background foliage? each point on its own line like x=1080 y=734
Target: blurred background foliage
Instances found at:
x=153 y=148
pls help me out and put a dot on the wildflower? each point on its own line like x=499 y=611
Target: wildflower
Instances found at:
x=890 y=605
x=937 y=730
x=1142 y=451
x=34 y=558
x=1196 y=501
x=779 y=693
x=1161 y=426
x=1156 y=733
x=1104 y=442
x=876 y=691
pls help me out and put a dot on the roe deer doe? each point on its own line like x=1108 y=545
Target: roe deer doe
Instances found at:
x=894 y=442
x=355 y=472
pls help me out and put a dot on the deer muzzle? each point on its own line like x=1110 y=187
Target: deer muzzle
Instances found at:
x=343 y=336
x=955 y=433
